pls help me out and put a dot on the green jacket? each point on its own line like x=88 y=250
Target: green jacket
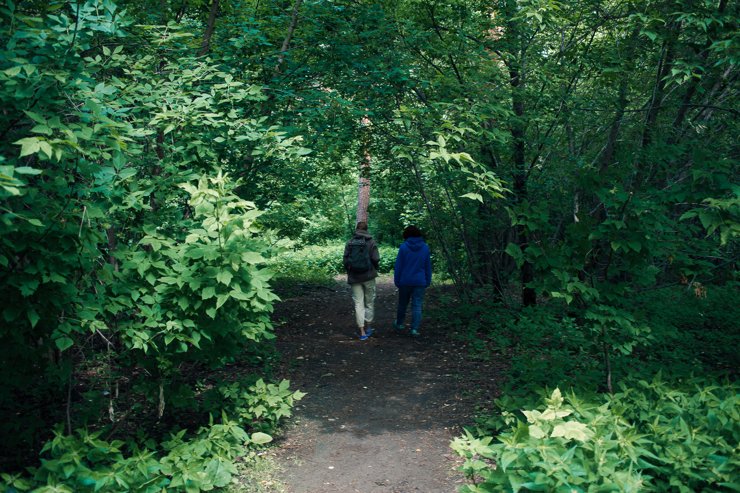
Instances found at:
x=357 y=277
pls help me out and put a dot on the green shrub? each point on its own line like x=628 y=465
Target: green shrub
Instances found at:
x=261 y=405
x=692 y=329
x=542 y=344
x=85 y=462
x=651 y=437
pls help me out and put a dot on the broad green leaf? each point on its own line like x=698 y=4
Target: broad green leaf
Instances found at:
x=536 y=432
x=252 y=257
x=63 y=343
x=27 y=170
x=473 y=196
x=208 y=292
x=33 y=317
x=572 y=430
x=260 y=438
x=29 y=145
x=221 y=299
x=224 y=277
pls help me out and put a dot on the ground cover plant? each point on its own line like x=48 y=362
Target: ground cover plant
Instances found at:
x=650 y=437
x=670 y=424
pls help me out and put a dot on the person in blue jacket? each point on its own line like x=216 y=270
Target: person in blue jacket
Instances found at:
x=412 y=275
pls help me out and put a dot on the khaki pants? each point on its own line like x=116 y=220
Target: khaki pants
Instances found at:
x=363 y=294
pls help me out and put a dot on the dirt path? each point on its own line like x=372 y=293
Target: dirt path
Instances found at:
x=379 y=414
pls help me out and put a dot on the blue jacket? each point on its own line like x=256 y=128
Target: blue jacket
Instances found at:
x=413 y=264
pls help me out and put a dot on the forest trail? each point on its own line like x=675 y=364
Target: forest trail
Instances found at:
x=379 y=414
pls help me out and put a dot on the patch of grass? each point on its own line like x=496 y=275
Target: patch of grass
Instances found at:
x=319 y=264
x=258 y=473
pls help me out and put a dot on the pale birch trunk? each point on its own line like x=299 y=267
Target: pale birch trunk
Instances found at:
x=363 y=189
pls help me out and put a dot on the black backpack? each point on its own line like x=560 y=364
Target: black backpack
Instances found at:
x=359 y=255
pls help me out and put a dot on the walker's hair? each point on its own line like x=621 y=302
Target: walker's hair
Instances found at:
x=412 y=232
x=362 y=226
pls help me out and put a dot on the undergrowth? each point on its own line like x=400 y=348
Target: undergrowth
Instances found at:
x=671 y=424
x=320 y=264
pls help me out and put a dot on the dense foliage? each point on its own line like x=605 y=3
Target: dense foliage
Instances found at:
x=648 y=438
x=574 y=165
x=128 y=261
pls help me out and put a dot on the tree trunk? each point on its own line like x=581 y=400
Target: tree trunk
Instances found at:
x=488 y=264
x=607 y=154
x=664 y=66
x=363 y=189
x=206 y=45
x=289 y=36
x=529 y=297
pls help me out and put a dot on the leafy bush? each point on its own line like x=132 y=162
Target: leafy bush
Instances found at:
x=262 y=405
x=87 y=463
x=123 y=247
x=651 y=437
x=693 y=327
x=205 y=460
x=542 y=344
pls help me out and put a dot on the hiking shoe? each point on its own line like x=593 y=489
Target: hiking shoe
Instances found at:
x=364 y=337
x=414 y=333
x=369 y=331
x=398 y=327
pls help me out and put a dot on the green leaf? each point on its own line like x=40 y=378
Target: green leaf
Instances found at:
x=572 y=430
x=536 y=432
x=33 y=317
x=35 y=117
x=224 y=277
x=508 y=457
x=252 y=257
x=260 y=438
x=46 y=148
x=515 y=252
x=63 y=343
x=27 y=170
x=221 y=299
x=41 y=129
x=473 y=196
x=556 y=399
x=29 y=145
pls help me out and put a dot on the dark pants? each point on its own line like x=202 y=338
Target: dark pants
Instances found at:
x=414 y=294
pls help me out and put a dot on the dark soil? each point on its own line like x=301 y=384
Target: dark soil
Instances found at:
x=379 y=414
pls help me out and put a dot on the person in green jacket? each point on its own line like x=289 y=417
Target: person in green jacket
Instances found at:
x=361 y=261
